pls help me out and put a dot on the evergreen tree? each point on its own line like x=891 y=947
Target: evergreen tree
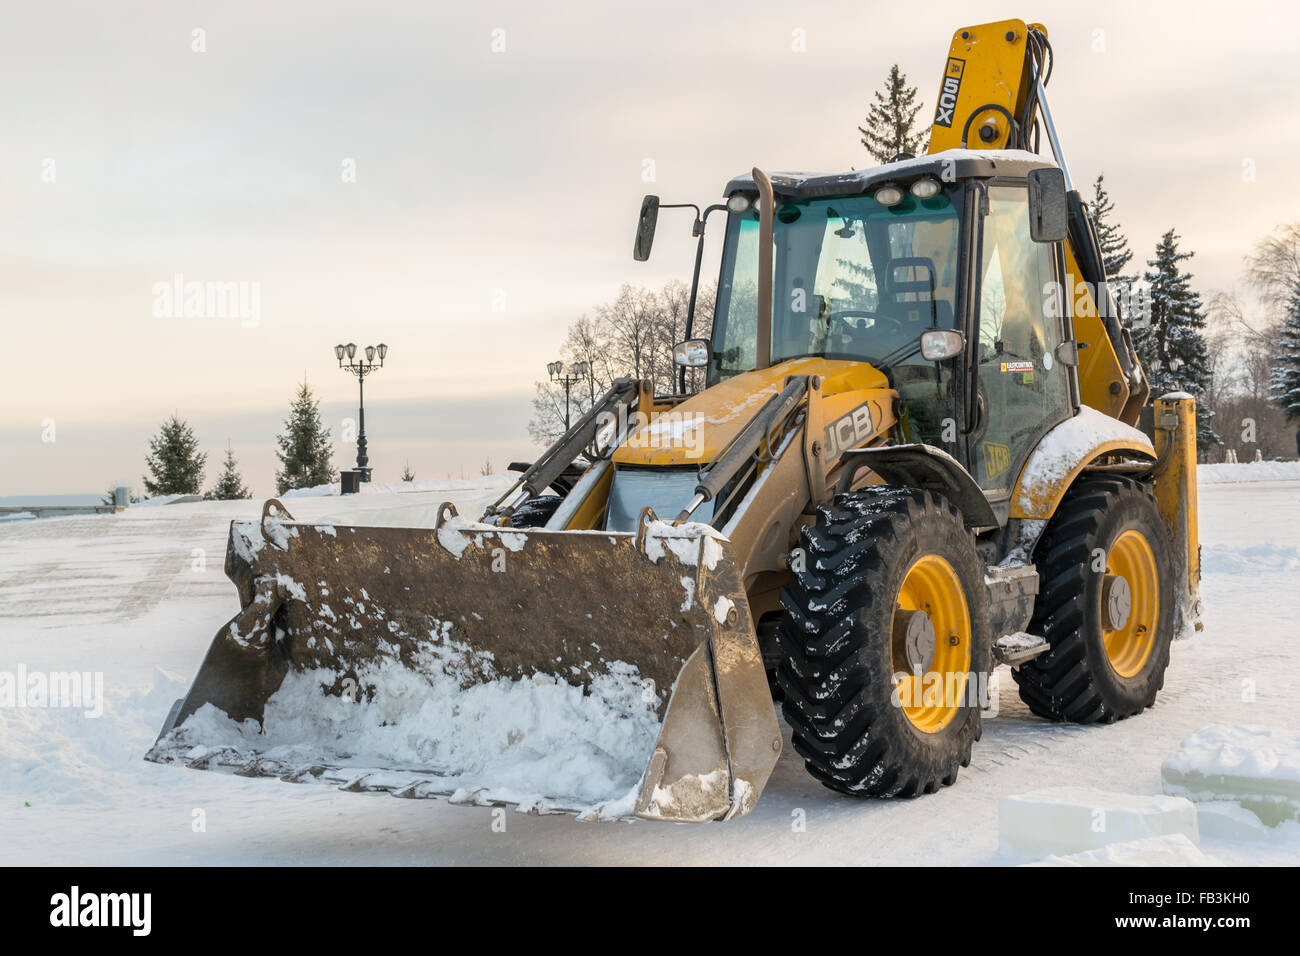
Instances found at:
x=407 y=474
x=1170 y=338
x=889 y=130
x=305 y=451
x=174 y=460
x=1115 y=252
x=1284 y=387
x=230 y=486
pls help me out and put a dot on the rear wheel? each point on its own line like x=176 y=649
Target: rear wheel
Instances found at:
x=885 y=628
x=1105 y=604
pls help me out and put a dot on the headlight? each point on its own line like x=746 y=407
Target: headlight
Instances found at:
x=925 y=189
x=889 y=195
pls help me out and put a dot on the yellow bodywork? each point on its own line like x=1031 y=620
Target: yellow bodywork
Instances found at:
x=1101 y=379
x=998 y=50
x=1175 y=487
x=697 y=430
x=1044 y=479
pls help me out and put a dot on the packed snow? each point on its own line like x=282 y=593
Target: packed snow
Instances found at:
x=1174 y=849
x=1075 y=819
x=138 y=597
x=1248 y=471
x=1255 y=767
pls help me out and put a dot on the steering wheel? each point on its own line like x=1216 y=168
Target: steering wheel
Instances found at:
x=839 y=315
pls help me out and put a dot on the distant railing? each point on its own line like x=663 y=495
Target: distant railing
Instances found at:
x=54 y=511
x=121 y=499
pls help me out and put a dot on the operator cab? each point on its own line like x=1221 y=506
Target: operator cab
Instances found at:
x=865 y=262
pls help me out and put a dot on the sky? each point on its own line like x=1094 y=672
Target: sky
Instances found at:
x=461 y=181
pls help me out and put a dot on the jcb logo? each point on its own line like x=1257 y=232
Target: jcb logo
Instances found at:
x=849 y=430
x=948 y=92
x=997 y=459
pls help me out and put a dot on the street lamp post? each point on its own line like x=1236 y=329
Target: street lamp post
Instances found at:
x=576 y=373
x=361 y=369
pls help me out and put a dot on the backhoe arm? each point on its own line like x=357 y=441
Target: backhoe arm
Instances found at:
x=991 y=97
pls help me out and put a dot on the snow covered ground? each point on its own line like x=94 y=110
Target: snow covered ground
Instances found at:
x=139 y=596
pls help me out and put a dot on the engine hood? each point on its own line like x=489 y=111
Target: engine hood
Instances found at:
x=695 y=431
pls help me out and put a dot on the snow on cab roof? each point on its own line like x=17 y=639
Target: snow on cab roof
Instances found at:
x=951 y=163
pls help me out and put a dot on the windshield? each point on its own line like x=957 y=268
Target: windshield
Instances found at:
x=852 y=279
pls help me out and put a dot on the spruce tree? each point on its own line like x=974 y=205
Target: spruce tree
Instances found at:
x=889 y=130
x=230 y=486
x=305 y=451
x=1284 y=387
x=1170 y=337
x=1115 y=253
x=174 y=461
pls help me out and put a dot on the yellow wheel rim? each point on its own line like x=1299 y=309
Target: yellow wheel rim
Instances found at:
x=934 y=656
x=1130 y=603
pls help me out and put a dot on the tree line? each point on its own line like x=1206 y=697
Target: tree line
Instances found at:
x=176 y=465
x=1240 y=359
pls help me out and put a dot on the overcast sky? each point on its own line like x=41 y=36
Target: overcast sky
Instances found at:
x=495 y=190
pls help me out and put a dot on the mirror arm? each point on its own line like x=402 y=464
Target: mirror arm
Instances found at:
x=697 y=230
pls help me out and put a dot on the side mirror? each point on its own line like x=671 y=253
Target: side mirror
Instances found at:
x=645 y=228
x=693 y=353
x=938 y=345
x=1048 y=213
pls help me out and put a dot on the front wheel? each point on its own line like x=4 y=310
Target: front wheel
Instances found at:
x=885 y=645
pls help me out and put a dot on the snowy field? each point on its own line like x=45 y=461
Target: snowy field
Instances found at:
x=139 y=596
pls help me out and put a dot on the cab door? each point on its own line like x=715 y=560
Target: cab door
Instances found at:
x=1022 y=389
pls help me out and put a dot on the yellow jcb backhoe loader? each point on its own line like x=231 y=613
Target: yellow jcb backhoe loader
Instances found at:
x=914 y=459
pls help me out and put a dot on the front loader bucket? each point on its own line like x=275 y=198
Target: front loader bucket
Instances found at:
x=608 y=674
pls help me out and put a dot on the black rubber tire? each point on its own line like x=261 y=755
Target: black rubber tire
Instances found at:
x=836 y=669
x=535 y=512
x=1074 y=680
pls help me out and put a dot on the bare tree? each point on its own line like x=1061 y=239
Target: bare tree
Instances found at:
x=1240 y=348
x=1222 y=341
x=1274 y=267
x=588 y=341
x=630 y=322
x=634 y=335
